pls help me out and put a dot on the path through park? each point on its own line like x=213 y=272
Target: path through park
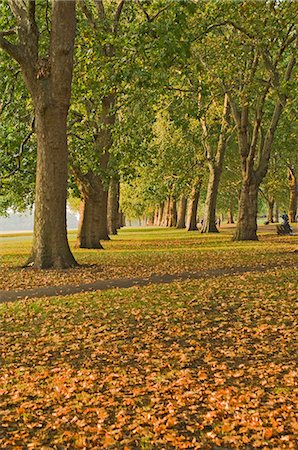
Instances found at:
x=103 y=285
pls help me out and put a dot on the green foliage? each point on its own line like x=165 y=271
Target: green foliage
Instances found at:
x=165 y=64
x=17 y=153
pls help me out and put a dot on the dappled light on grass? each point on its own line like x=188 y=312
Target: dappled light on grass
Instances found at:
x=186 y=365
x=135 y=254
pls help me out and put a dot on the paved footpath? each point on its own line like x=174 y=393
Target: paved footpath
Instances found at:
x=122 y=283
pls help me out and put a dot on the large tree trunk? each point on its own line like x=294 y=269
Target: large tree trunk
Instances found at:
x=293 y=194
x=209 y=222
x=193 y=208
x=270 y=215
x=113 y=206
x=50 y=245
x=93 y=221
x=247 y=217
x=49 y=83
x=182 y=212
x=88 y=236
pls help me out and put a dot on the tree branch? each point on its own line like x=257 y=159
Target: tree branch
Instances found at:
x=151 y=19
x=88 y=14
x=208 y=29
x=8 y=32
x=14 y=50
x=100 y=9
x=144 y=10
x=117 y=15
x=18 y=156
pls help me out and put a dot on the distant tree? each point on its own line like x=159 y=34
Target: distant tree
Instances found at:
x=215 y=143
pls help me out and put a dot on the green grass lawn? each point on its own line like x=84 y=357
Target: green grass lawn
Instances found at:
x=206 y=364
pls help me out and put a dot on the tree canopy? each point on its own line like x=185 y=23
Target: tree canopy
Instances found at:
x=166 y=96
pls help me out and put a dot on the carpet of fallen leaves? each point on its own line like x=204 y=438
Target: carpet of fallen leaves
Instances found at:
x=189 y=365
x=143 y=253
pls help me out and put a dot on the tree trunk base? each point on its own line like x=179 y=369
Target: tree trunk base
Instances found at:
x=56 y=262
x=193 y=228
x=244 y=236
x=95 y=245
x=105 y=238
x=209 y=229
x=246 y=229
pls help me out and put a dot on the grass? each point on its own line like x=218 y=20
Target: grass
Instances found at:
x=146 y=252
x=203 y=364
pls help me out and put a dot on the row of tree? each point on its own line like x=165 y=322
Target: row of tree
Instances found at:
x=151 y=193
x=169 y=98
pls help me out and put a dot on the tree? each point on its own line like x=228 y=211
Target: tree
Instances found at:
x=181 y=214
x=115 y=40
x=259 y=42
x=46 y=65
x=215 y=152
x=279 y=187
x=93 y=116
x=293 y=185
x=255 y=146
x=193 y=205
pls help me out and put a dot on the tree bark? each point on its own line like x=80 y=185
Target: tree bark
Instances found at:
x=209 y=222
x=215 y=160
x=276 y=213
x=293 y=194
x=270 y=215
x=122 y=219
x=160 y=215
x=50 y=245
x=182 y=212
x=193 y=208
x=173 y=213
x=166 y=213
x=248 y=208
x=88 y=236
x=93 y=220
x=230 y=215
x=49 y=83
x=113 y=206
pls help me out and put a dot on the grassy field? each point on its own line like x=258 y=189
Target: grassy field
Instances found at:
x=206 y=364
x=145 y=252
